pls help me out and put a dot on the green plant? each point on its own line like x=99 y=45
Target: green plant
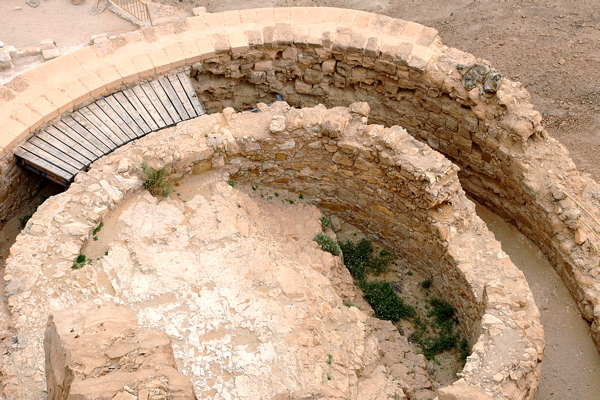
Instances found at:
x=329 y=359
x=155 y=180
x=360 y=261
x=350 y=304
x=98 y=228
x=276 y=194
x=325 y=222
x=231 y=182
x=300 y=196
x=464 y=350
x=436 y=334
x=106 y=253
x=23 y=220
x=95 y=238
x=426 y=284
x=81 y=261
x=327 y=244
x=386 y=304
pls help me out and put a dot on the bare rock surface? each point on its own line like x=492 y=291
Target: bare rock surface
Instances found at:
x=245 y=293
x=98 y=352
x=252 y=304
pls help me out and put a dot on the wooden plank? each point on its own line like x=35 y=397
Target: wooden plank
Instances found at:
x=82 y=117
x=58 y=150
x=133 y=113
x=183 y=96
x=43 y=165
x=117 y=119
x=135 y=102
x=166 y=85
x=85 y=156
x=184 y=78
x=165 y=101
x=78 y=132
x=149 y=106
x=108 y=123
x=157 y=102
x=100 y=126
x=41 y=153
x=122 y=112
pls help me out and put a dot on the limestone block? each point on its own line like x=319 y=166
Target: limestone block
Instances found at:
x=5 y=60
x=461 y=391
x=47 y=44
x=99 y=352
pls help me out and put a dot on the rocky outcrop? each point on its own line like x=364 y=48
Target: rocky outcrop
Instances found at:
x=98 y=352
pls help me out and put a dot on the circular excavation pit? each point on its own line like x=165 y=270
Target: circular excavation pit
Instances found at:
x=396 y=188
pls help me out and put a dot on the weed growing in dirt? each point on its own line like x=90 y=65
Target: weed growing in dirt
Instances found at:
x=386 y=304
x=325 y=222
x=350 y=304
x=231 y=182
x=327 y=244
x=360 y=260
x=155 y=180
x=434 y=328
x=81 y=261
x=435 y=332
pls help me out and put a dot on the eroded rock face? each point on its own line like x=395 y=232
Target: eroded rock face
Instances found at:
x=99 y=352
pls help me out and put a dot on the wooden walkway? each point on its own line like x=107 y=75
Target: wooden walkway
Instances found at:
x=70 y=145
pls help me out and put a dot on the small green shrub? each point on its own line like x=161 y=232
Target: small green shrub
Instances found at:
x=329 y=359
x=155 y=180
x=360 y=261
x=327 y=244
x=81 y=261
x=350 y=304
x=426 y=284
x=98 y=228
x=436 y=334
x=442 y=311
x=231 y=182
x=386 y=304
x=325 y=222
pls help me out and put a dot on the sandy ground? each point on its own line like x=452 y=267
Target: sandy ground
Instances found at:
x=552 y=46
x=571 y=364
x=68 y=24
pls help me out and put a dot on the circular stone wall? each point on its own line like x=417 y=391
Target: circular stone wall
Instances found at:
x=335 y=57
x=382 y=179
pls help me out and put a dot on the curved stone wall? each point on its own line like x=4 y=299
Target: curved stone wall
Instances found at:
x=336 y=56
x=507 y=160
x=382 y=179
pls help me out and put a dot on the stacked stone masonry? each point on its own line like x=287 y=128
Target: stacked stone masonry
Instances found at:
x=379 y=178
x=335 y=57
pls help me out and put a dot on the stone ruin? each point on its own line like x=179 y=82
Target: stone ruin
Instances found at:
x=397 y=103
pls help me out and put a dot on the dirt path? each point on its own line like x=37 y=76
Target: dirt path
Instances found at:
x=68 y=24
x=571 y=364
